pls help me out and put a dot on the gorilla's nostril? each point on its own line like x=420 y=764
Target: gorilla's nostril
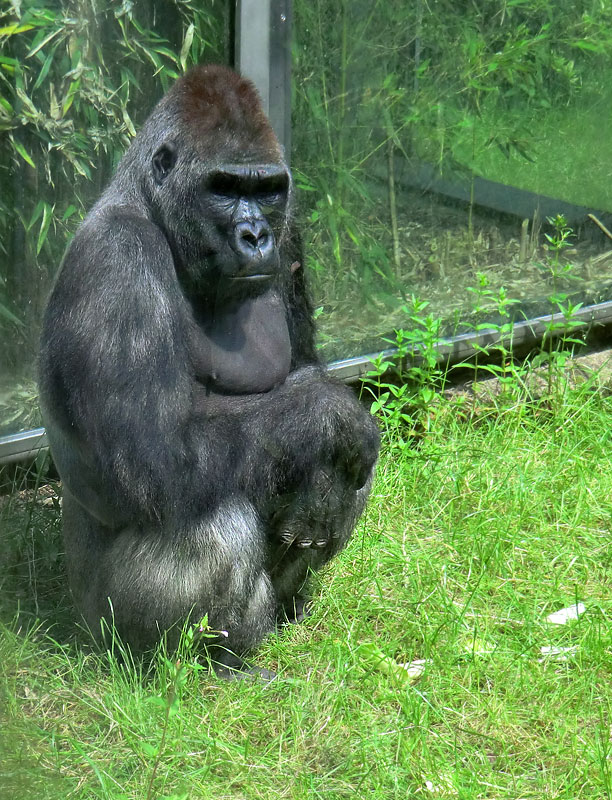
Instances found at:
x=249 y=238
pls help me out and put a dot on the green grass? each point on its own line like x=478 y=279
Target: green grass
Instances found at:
x=471 y=539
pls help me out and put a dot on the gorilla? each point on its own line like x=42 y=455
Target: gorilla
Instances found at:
x=209 y=464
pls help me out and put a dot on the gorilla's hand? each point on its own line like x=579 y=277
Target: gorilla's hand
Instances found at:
x=329 y=426
x=358 y=452
x=311 y=516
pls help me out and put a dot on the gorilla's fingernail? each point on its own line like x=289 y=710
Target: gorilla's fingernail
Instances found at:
x=305 y=543
x=321 y=543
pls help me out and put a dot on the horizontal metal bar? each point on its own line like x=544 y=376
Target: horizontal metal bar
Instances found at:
x=461 y=347
x=20 y=446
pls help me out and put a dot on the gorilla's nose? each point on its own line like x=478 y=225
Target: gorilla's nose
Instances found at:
x=253 y=239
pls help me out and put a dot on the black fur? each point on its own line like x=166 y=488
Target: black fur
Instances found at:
x=208 y=462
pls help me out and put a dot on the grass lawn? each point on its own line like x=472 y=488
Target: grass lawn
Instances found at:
x=471 y=539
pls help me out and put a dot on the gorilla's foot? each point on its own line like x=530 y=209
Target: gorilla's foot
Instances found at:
x=230 y=667
x=297 y=611
x=244 y=674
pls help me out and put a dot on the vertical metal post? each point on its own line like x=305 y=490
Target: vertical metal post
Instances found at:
x=263 y=54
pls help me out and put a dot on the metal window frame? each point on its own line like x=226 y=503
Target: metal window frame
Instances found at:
x=26 y=445
x=262 y=52
x=22 y=446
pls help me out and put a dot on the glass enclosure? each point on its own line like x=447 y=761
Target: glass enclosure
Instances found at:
x=447 y=153
x=454 y=152
x=77 y=77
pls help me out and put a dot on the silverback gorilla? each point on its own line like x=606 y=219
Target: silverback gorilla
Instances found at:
x=208 y=462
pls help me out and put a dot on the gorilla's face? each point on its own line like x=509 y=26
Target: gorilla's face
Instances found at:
x=224 y=221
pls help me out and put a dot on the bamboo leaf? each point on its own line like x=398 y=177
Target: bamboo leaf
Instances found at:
x=44 y=70
x=128 y=122
x=44 y=227
x=69 y=212
x=150 y=54
x=164 y=51
x=70 y=95
x=583 y=44
x=128 y=77
x=35 y=215
x=10 y=30
x=22 y=152
x=187 y=42
x=45 y=41
x=8 y=315
x=54 y=107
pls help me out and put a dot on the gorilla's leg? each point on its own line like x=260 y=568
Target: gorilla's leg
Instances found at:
x=308 y=529
x=150 y=581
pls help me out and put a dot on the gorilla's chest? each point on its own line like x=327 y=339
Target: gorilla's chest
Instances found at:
x=243 y=350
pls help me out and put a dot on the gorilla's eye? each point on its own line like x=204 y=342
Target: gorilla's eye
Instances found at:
x=225 y=184
x=272 y=189
x=270 y=200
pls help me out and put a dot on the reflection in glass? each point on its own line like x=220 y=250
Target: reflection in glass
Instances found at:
x=437 y=146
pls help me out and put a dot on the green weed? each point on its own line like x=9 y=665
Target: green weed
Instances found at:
x=428 y=669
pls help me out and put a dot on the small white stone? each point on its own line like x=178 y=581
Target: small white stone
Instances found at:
x=565 y=615
x=416 y=668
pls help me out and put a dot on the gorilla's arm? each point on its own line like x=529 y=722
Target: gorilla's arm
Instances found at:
x=115 y=365
x=311 y=420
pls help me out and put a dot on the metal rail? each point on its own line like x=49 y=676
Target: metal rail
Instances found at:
x=459 y=348
x=22 y=446
x=26 y=445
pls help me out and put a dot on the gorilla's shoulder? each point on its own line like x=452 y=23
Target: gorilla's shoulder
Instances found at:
x=112 y=229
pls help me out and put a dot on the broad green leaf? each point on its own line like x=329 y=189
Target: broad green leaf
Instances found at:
x=187 y=41
x=157 y=701
x=10 y=30
x=148 y=749
x=41 y=44
x=23 y=152
x=44 y=227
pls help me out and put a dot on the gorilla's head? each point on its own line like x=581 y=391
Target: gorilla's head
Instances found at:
x=216 y=182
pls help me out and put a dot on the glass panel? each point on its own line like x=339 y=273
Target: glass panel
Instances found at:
x=76 y=79
x=456 y=152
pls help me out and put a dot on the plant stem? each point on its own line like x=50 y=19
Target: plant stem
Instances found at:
x=393 y=205
x=162 y=744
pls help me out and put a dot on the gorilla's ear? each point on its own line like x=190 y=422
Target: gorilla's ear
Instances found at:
x=163 y=161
